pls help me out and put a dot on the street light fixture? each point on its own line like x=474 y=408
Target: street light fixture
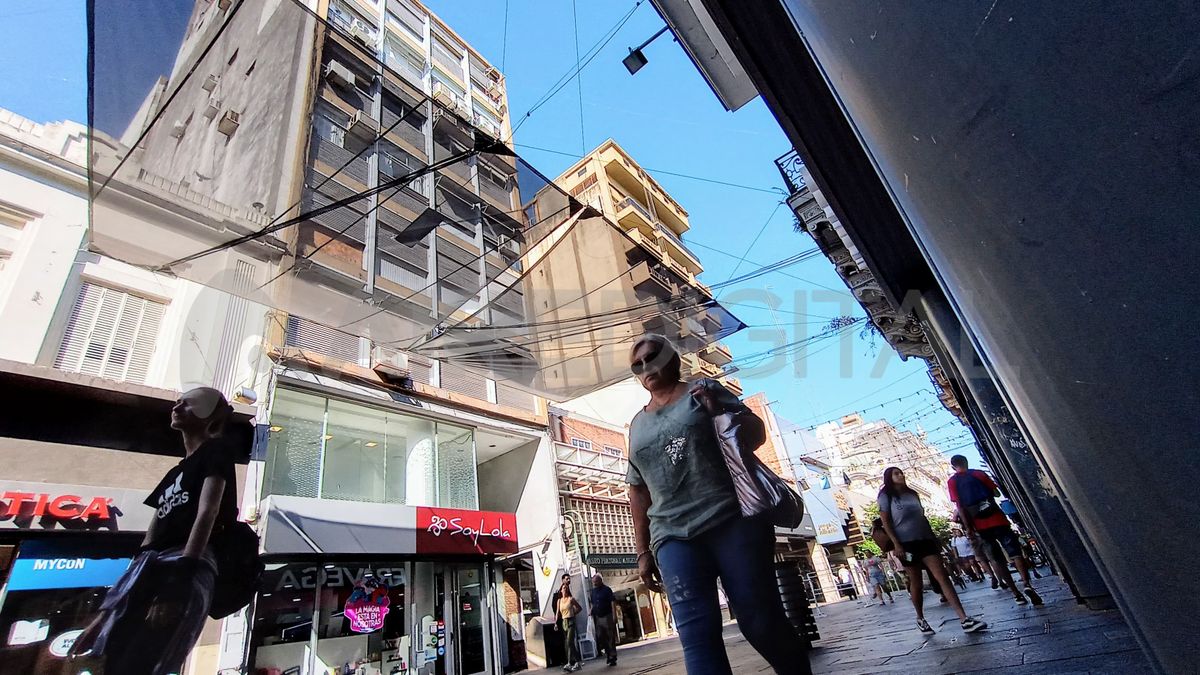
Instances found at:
x=637 y=58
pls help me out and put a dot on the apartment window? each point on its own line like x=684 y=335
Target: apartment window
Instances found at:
x=448 y=56
x=111 y=334
x=331 y=124
x=400 y=58
x=401 y=16
x=612 y=450
x=581 y=443
x=454 y=87
x=582 y=171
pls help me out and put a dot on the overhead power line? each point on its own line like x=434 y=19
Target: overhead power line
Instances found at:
x=715 y=181
x=575 y=69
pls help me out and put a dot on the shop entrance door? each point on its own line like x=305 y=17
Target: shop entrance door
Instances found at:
x=468 y=593
x=450 y=616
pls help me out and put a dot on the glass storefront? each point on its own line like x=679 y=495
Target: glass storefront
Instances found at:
x=52 y=591
x=332 y=449
x=372 y=618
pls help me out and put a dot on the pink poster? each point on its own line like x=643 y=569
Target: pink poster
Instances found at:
x=367 y=605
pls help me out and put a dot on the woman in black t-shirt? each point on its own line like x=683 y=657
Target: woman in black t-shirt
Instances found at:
x=153 y=615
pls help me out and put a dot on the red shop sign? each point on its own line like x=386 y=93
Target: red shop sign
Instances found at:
x=462 y=531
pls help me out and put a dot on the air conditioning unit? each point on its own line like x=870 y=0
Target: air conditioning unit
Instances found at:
x=363 y=124
x=487 y=126
x=389 y=363
x=213 y=107
x=340 y=76
x=210 y=83
x=229 y=123
x=178 y=128
x=362 y=32
x=443 y=95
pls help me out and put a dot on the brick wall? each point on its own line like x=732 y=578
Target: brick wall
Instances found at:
x=599 y=436
x=768 y=453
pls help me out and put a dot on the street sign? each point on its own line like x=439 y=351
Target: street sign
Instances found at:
x=613 y=561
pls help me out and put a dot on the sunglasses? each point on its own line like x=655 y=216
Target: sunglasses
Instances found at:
x=646 y=365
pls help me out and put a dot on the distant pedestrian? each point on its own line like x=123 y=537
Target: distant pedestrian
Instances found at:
x=568 y=609
x=965 y=554
x=917 y=547
x=974 y=492
x=150 y=620
x=878 y=580
x=846 y=582
x=688 y=521
x=604 y=616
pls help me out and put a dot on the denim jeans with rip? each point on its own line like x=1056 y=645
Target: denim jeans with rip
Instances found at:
x=740 y=552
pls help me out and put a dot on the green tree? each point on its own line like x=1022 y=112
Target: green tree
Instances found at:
x=868 y=548
x=870 y=513
x=941 y=527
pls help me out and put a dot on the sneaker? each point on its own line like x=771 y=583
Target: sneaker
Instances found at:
x=924 y=626
x=1020 y=600
x=995 y=584
x=970 y=625
x=1033 y=596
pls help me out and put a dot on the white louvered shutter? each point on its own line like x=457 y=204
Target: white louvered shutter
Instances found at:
x=111 y=334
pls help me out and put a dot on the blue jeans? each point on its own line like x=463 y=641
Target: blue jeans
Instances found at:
x=740 y=552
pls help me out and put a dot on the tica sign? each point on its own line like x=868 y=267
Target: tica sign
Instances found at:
x=57 y=506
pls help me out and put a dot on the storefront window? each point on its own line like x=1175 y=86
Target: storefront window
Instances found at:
x=297 y=427
x=456 y=468
x=335 y=449
x=355 y=453
x=330 y=599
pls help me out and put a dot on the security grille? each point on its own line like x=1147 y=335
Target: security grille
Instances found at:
x=313 y=337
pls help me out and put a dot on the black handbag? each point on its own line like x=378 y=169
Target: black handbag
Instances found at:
x=758 y=489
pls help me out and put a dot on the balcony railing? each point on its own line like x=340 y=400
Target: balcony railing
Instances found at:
x=791 y=168
x=631 y=203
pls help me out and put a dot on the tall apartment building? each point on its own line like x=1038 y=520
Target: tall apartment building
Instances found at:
x=361 y=449
x=612 y=182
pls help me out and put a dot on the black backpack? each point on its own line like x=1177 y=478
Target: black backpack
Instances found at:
x=239 y=569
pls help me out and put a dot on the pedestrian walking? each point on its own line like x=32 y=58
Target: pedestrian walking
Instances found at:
x=846 y=583
x=604 y=615
x=974 y=493
x=568 y=609
x=688 y=525
x=154 y=613
x=878 y=580
x=917 y=547
x=965 y=554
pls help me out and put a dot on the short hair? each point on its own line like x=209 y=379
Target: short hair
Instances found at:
x=958 y=460
x=666 y=349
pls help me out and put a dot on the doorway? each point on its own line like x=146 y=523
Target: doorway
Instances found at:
x=450 y=613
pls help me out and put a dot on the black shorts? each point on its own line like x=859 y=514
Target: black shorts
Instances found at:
x=1004 y=537
x=919 y=550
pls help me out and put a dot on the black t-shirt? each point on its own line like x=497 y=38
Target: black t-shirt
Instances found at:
x=601 y=600
x=176 y=499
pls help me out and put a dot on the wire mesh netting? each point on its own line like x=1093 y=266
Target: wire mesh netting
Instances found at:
x=327 y=167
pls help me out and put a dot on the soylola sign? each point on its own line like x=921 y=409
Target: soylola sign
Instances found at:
x=461 y=531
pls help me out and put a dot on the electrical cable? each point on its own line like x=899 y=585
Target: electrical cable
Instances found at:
x=277 y=225
x=578 y=75
x=574 y=70
x=397 y=183
x=742 y=258
x=773 y=191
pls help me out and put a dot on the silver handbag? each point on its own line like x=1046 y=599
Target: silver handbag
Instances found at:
x=758 y=489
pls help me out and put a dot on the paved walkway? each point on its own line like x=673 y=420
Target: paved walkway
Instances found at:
x=1061 y=638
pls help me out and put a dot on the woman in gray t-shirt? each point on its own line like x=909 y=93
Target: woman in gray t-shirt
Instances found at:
x=917 y=547
x=688 y=523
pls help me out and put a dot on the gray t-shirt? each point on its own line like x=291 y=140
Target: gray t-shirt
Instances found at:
x=673 y=451
x=908 y=516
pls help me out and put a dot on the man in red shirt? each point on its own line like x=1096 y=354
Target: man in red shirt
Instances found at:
x=974 y=492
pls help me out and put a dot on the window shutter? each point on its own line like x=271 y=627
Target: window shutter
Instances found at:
x=463 y=381
x=313 y=337
x=111 y=334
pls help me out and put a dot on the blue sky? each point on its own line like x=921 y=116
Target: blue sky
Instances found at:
x=667 y=118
